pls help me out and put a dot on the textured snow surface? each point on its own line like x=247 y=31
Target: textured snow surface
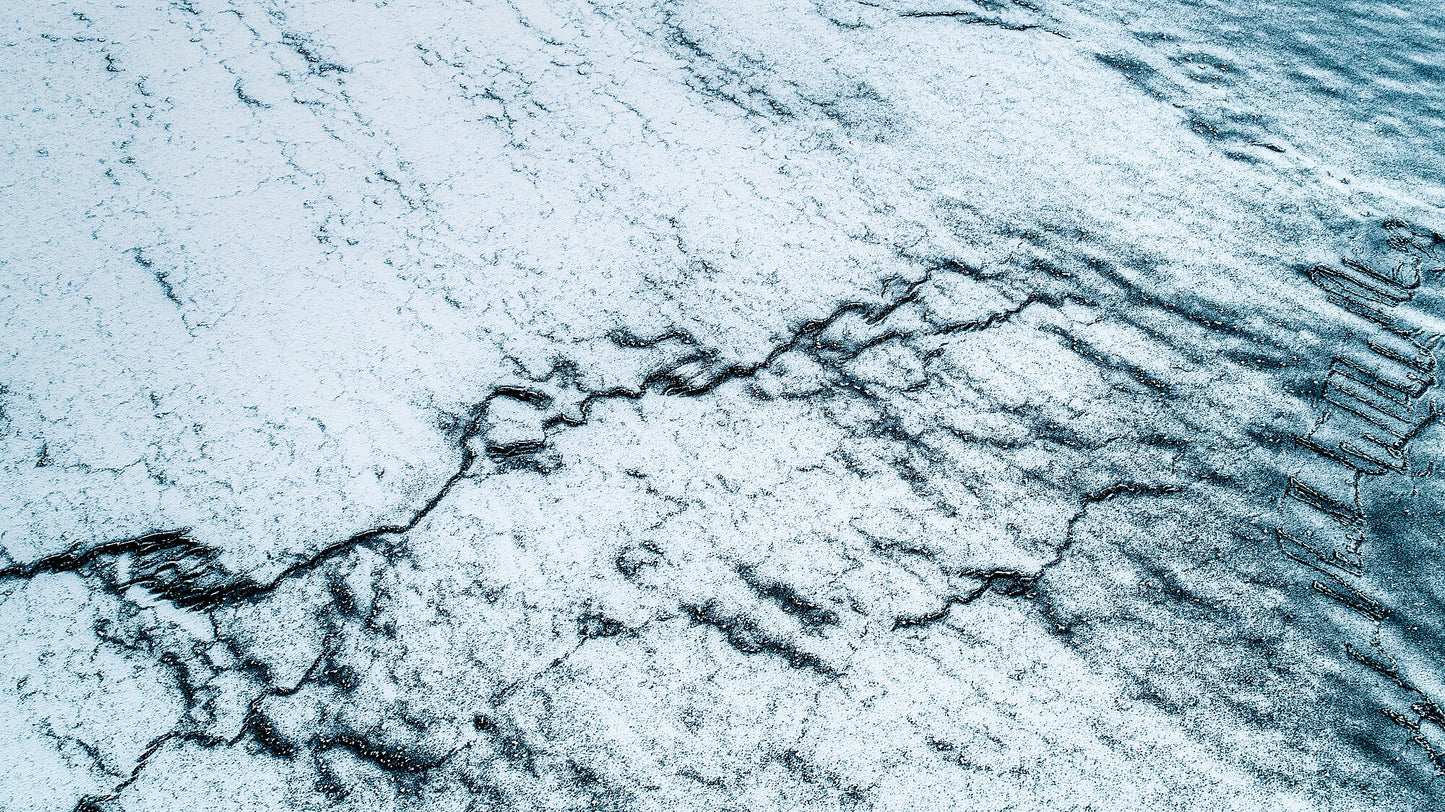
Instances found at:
x=702 y=405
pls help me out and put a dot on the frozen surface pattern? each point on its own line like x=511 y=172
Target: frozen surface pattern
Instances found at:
x=702 y=405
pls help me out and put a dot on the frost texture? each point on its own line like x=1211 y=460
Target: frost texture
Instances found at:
x=722 y=406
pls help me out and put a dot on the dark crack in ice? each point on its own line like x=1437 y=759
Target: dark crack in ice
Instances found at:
x=694 y=405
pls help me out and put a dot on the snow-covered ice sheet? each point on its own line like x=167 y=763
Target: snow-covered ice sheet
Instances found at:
x=697 y=405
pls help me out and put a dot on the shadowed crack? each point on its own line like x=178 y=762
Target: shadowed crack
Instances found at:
x=1018 y=584
x=808 y=612
x=177 y=568
x=999 y=20
x=188 y=573
x=90 y=802
x=168 y=562
x=747 y=637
